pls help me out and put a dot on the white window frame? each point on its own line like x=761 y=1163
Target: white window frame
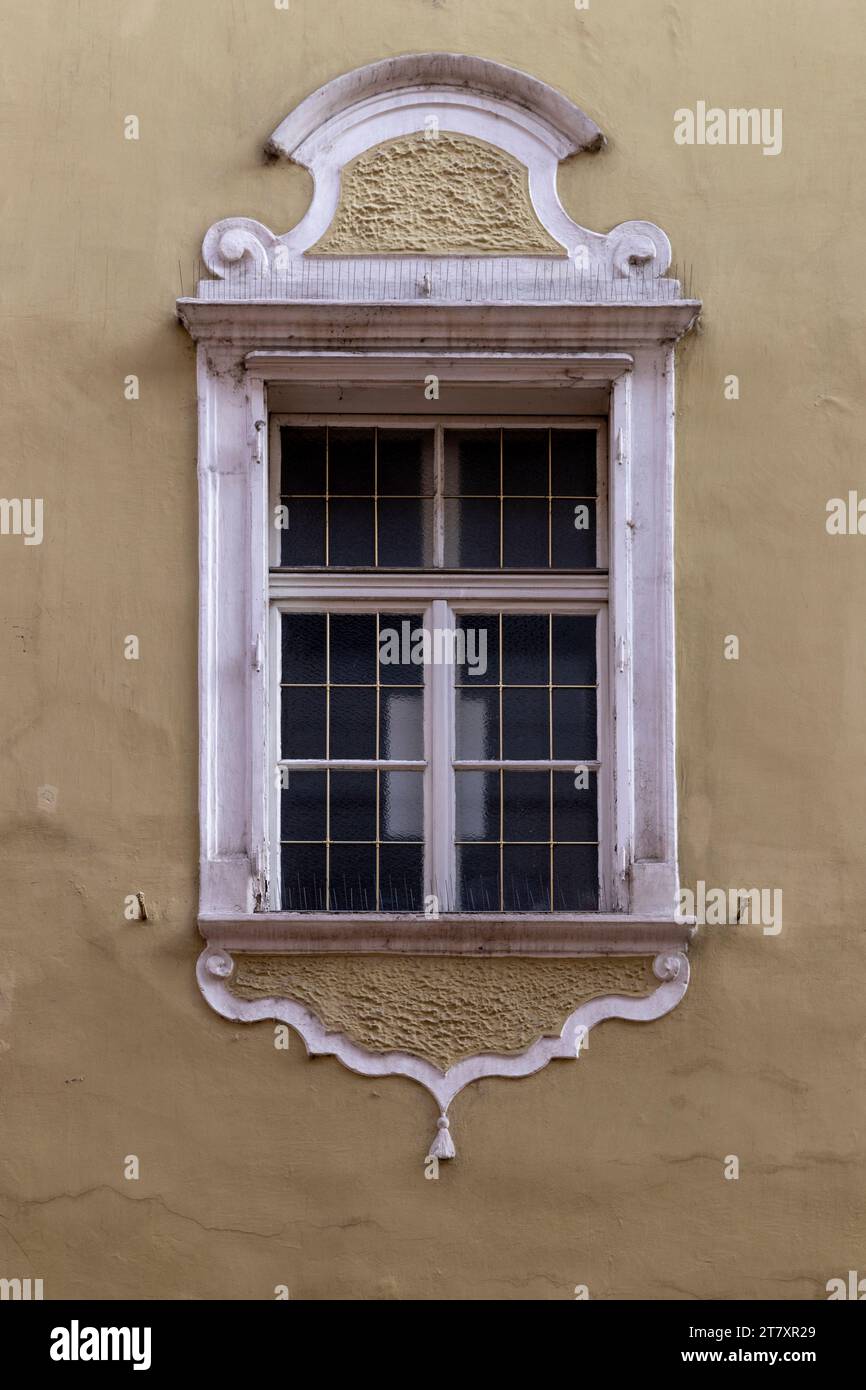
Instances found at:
x=235 y=526
x=436 y=596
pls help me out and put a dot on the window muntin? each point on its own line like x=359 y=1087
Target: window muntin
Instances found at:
x=517 y=789
x=477 y=495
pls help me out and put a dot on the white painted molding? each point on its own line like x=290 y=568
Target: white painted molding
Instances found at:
x=543 y=935
x=566 y=124
x=605 y=317
x=474 y=97
x=216 y=966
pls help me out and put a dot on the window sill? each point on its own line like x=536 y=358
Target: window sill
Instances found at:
x=558 y=934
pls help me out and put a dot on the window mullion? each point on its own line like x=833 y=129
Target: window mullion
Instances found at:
x=440 y=754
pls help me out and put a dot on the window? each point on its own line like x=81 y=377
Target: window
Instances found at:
x=446 y=752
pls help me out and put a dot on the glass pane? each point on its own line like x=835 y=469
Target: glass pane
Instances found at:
x=303 y=878
x=405 y=533
x=401 y=648
x=302 y=542
x=573 y=650
x=353 y=878
x=481 y=646
x=401 y=870
x=351 y=462
x=573 y=535
x=524 y=534
x=472 y=534
x=405 y=461
x=525 y=724
x=525 y=642
x=353 y=648
x=526 y=805
x=575 y=877
x=353 y=805
x=303 y=722
x=303 y=648
x=302 y=460
x=526 y=878
x=478 y=878
x=477 y=805
x=574 y=724
x=477 y=725
x=401 y=806
x=353 y=722
x=573 y=465
x=472 y=463
x=302 y=807
x=401 y=724
x=524 y=463
x=575 y=807
x=350 y=532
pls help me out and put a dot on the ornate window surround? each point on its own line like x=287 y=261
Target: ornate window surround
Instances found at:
x=603 y=316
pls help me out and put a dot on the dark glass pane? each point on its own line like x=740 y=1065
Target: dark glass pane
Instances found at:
x=575 y=878
x=303 y=876
x=353 y=649
x=303 y=809
x=525 y=724
x=401 y=734
x=573 y=650
x=575 y=808
x=477 y=805
x=401 y=869
x=303 y=541
x=525 y=649
x=574 y=724
x=401 y=636
x=303 y=648
x=405 y=463
x=350 y=532
x=524 y=534
x=526 y=878
x=353 y=805
x=573 y=546
x=303 y=722
x=471 y=462
x=524 y=462
x=481 y=647
x=573 y=464
x=478 y=878
x=353 y=722
x=353 y=878
x=302 y=459
x=351 y=461
x=477 y=725
x=526 y=805
x=472 y=534
x=404 y=533
x=401 y=806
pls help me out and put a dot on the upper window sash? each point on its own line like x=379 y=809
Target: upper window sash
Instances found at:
x=557 y=513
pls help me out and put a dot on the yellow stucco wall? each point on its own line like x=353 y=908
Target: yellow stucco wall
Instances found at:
x=259 y=1167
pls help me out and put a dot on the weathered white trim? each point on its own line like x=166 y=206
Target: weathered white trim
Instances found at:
x=607 y=318
x=474 y=97
x=483 y=934
x=564 y=123
x=216 y=966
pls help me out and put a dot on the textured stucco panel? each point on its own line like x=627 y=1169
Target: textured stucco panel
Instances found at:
x=448 y=195
x=440 y=1009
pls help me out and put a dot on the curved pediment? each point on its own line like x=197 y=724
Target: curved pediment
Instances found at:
x=429 y=159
